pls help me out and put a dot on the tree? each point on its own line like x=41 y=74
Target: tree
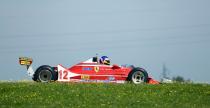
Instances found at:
x=178 y=79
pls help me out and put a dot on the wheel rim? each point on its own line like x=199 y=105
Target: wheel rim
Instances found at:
x=138 y=77
x=45 y=76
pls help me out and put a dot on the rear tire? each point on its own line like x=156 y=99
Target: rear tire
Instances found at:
x=138 y=76
x=44 y=73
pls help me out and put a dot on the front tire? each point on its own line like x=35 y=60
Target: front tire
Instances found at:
x=138 y=76
x=44 y=73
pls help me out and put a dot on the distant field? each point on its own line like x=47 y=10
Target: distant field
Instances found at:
x=32 y=94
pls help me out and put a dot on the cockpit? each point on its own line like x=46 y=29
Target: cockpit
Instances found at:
x=92 y=60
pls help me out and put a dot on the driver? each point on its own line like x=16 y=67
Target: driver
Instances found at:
x=104 y=60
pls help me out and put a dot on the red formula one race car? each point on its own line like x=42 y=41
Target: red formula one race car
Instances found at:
x=91 y=71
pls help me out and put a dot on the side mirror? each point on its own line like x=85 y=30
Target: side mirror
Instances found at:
x=115 y=66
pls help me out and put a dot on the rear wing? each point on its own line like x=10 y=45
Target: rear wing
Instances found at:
x=25 y=61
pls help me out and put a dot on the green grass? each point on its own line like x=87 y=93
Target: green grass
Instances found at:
x=32 y=94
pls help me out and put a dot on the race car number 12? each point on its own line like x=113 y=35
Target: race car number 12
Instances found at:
x=63 y=75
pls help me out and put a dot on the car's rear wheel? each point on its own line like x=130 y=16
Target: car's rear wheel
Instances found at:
x=138 y=76
x=44 y=73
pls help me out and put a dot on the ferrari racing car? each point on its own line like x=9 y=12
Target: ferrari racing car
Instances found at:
x=93 y=70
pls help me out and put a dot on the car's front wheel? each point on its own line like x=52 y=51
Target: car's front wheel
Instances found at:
x=138 y=76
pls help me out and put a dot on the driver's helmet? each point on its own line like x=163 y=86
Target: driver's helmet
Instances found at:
x=104 y=60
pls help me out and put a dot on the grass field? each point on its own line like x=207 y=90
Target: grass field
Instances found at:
x=32 y=94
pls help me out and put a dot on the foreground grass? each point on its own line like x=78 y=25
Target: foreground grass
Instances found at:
x=32 y=94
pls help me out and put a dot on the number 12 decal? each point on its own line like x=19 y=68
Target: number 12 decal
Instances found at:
x=63 y=75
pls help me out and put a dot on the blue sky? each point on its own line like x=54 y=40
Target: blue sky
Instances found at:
x=140 y=32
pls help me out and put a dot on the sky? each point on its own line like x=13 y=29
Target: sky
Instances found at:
x=145 y=33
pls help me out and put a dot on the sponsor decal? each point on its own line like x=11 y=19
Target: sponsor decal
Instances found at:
x=102 y=81
x=85 y=77
x=96 y=69
x=95 y=81
x=120 y=81
x=86 y=68
x=111 y=78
